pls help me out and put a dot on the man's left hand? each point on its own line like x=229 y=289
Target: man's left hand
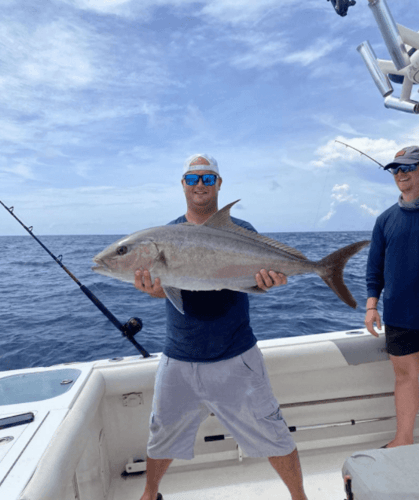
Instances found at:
x=266 y=280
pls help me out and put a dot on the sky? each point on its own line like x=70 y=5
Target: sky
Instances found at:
x=103 y=100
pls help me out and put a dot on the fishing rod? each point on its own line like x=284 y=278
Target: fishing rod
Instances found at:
x=362 y=153
x=128 y=330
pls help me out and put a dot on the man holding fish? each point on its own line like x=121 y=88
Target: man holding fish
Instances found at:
x=211 y=363
x=202 y=263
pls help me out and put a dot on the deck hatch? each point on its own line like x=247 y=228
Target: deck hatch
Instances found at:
x=36 y=386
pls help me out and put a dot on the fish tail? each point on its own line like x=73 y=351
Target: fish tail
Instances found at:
x=332 y=267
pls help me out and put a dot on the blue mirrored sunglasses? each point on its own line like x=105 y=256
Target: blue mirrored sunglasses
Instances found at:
x=207 y=179
x=403 y=168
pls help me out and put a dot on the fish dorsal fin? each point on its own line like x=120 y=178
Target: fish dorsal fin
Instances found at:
x=222 y=220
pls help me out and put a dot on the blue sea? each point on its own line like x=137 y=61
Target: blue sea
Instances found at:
x=45 y=319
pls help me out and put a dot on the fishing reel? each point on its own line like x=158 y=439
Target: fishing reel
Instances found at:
x=132 y=327
x=341 y=6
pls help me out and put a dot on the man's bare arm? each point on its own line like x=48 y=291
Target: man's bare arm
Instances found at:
x=372 y=316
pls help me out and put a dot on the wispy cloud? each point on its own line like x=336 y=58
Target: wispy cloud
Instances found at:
x=60 y=73
x=369 y=210
x=345 y=203
x=118 y=93
x=265 y=50
x=37 y=60
x=335 y=124
x=91 y=209
x=242 y=11
x=315 y=51
x=340 y=194
x=261 y=51
x=225 y=11
x=20 y=170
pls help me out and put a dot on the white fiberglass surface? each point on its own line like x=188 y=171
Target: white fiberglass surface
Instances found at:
x=252 y=479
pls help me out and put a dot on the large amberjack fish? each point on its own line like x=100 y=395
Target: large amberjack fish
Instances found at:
x=216 y=255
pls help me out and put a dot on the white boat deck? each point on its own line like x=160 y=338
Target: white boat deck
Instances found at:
x=251 y=479
x=335 y=391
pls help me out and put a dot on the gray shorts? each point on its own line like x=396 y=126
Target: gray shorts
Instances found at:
x=236 y=390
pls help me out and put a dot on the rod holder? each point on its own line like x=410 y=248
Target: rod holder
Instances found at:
x=390 y=33
x=407 y=106
x=370 y=59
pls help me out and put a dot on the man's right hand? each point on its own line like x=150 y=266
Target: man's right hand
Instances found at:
x=372 y=316
x=144 y=284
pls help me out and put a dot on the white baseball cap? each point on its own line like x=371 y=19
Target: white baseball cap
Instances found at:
x=201 y=162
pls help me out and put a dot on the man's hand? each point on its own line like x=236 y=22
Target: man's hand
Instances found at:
x=144 y=284
x=372 y=316
x=267 y=280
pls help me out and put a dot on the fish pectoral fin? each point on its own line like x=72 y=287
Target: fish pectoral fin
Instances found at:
x=161 y=257
x=253 y=289
x=175 y=297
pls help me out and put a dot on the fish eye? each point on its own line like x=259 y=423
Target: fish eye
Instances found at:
x=122 y=250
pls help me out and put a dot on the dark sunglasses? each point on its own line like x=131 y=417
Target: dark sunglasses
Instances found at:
x=404 y=168
x=207 y=179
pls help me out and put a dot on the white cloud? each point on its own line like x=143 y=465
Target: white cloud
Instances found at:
x=98 y=210
x=60 y=73
x=12 y=131
x=369 y=210
x=341 y=194
x=262 y=51
x=195 y=119
x=346 y=205
x=114 y=7
x=100 y=5
x=319 y=49
x=265 y=50
x=242 y=11
x=328 y=216
x=119 y=93
x=225 y=11
x=20 y=170
x=56 y=55
x=59 y=57
x=335 y=124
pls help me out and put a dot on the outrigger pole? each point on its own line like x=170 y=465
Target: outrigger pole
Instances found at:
x=131 y=327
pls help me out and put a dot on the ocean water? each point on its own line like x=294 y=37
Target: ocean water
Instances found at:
x=45 y=319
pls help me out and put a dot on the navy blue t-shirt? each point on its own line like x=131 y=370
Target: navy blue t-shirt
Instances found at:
x=215 y=326
x=393 y=265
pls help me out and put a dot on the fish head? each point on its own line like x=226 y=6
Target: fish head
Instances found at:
x=121 y=259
